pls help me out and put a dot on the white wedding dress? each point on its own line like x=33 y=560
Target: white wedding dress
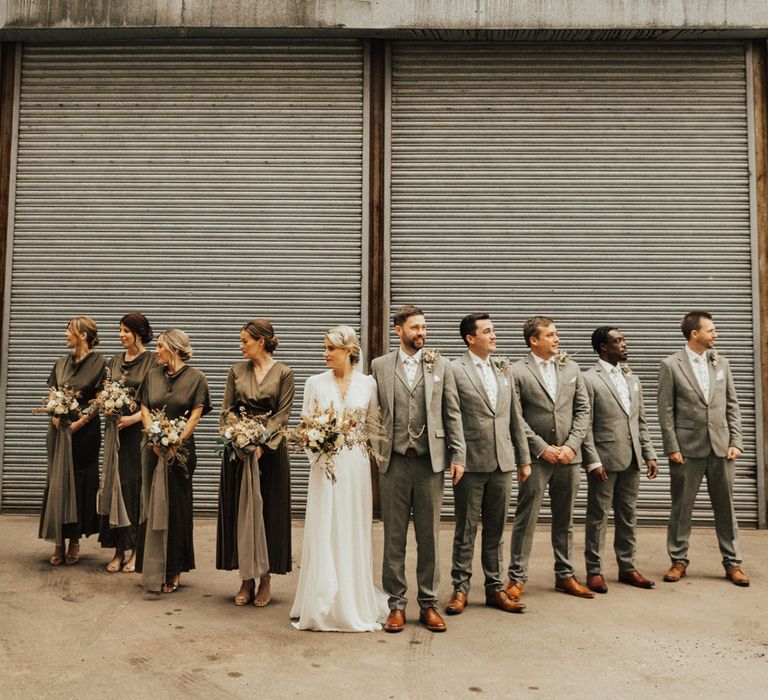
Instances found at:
x=336 y=591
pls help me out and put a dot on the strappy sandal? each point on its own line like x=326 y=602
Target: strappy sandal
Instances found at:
x=261 y=601
x=242 y=598
x=129 y=568
x=73 y=554
x=171 y=586
x=57 y=558
x=115 y=565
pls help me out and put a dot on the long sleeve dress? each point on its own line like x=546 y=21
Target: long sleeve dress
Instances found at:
x=273 y=396
x=179 y=394
x=62 y=515
x=127 y=444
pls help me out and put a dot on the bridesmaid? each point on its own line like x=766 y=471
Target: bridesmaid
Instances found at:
x=118 y=503
x=165 y=548
x=262 y=386
x=69 y=502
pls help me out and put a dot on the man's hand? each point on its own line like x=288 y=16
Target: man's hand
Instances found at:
x=733 y=453
x=566 y=455
x=598 y=474
x=675 y=457
x=653 y=468
x=551 y=454
x=457 y=471
x=523 y=472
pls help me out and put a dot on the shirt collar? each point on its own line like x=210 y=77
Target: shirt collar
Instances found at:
x=477 y=361
x=607 y=366
x=404 y=356
x=693 y=356
x=539 y=362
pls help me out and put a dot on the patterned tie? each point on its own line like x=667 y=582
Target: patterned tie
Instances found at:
x=621 y=386
x=410 y=369
x=549 y=379
x=702 y=374
x=489 y=381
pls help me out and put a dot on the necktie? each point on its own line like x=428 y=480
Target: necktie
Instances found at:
x=549 y=379
x=410 y=370
x=490 y=383
x=621 y=386
x=702 y=374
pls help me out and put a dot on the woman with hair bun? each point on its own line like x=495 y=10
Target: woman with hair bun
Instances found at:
x=336 y=592
x=119 y=498
x=69 y=502
x=261 y=386
x=165 y=548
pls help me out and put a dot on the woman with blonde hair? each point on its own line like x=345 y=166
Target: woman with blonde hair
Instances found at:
x=336 y=592
x=165 y=547
x=69 y=502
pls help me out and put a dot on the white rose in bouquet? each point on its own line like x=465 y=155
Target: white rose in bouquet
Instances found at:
x=165 y=442
x=242 y=440
x=340 y=440
x=60 y=410
x=315 y=436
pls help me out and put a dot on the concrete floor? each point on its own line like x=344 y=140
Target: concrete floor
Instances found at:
x=78 y=632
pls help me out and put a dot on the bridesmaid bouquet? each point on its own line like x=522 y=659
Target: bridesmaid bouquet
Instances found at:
x=242 y=431
x=327 y=432
x=165 y=433
x=114 y=398
x=61 y=403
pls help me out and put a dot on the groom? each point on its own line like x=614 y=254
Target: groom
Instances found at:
x=420 y=409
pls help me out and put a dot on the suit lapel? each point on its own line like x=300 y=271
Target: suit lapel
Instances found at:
x=429 y=382
x=530 y=363
x=609 y=383
x=501 y=393
x=389 y=381
x=471 y=371
x=712 y=375
x=687 y=370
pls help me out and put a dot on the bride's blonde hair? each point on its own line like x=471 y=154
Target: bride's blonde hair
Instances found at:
x=346 y=338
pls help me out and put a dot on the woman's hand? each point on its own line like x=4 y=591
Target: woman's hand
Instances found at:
x=79 y=423
x=56 y=423
x=127 y=421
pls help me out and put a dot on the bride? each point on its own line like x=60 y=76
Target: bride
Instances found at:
x=336 y=591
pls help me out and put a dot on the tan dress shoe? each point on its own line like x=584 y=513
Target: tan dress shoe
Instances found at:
x=431 y=619
x=514 y=589
x=596 y=583
x=457 y=603
x=571 y=586
x=635 y=578
x=676 y=572
x=395 y=622
x=499 y=599
x=736 y=575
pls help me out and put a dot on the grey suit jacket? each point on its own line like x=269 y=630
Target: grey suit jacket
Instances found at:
x=564 y=421
x=490 y=435
x=689 y=424
x=615 y=436
x=446 y=436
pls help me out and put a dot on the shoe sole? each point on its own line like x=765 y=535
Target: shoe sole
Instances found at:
x=393 y=630
x=575 y=595
x=514 y=611
x=673 y=580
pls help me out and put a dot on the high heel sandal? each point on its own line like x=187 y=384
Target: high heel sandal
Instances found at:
x=115 y=565
x=57 y=558
x=171 y=586
x=244 y=595
x=260 y=600
x=73 y=554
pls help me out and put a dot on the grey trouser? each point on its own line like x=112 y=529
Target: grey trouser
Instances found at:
x=410 y=486
x=476 y=493
x=621 y=491
x=685 y=480
x=563 y=483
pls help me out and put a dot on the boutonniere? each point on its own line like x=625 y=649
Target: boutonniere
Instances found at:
x=562 y=359
x=430 y=356
x=626 y=369
x=713 y=358
x=502 y=363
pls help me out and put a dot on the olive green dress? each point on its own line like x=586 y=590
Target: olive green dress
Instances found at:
x=179 y=394
x=85 y=376
x=273 y=396
x=132 y=372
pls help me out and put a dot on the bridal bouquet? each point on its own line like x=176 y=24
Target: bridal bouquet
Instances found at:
x=114 y=398
x=61 y=403
x=327 y=432
x=243 y=431
x=165 y=433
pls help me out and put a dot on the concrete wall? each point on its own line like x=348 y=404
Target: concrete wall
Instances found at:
x=386 y=15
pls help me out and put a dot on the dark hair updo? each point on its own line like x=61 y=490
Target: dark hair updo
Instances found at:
x=261 y=328
x=137 y=323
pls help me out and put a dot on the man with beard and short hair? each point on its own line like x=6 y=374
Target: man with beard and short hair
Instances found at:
x=701 y=428
x=420 y=410
x=617 y=443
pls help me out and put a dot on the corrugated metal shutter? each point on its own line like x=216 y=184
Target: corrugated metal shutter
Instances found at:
x=201 y=184
x=594 y=183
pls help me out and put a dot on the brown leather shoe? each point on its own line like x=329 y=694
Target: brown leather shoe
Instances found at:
x=596 y=583
x=395 y=622
x=735 y=574
x=635 y=578
x=457 y=603
x=676 y=572
x=514 y=589
x=573 y=587
x=431 y=619
x=499 y=599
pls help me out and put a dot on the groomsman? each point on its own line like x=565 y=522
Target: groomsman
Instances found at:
x=615 y=447
x=420 y=408
x=701 y=428
x=556 y=412
x=493 y=424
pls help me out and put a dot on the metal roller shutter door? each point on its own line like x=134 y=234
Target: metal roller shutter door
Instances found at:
x=201 y=184
x=594 y=183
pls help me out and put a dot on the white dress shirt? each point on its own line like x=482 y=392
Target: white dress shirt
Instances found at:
x=619 y=381
x=410 y=365
x=487 y=376
x=700 y=369
x=548 y=374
